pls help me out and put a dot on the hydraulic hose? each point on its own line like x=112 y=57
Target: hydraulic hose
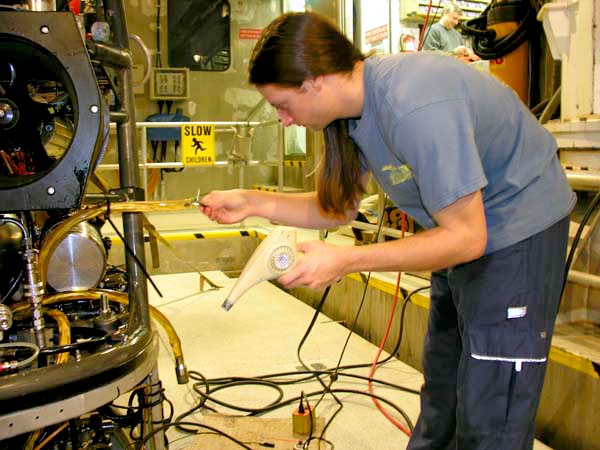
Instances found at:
x=64 y=332
x=57 y=234
x=15 y=365
x=122 y=298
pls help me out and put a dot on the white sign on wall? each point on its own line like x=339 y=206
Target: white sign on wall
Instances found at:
x=375 y=25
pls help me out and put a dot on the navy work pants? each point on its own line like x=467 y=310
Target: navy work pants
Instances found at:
x=489 y=332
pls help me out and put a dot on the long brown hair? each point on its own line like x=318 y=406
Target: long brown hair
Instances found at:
x=299 y=46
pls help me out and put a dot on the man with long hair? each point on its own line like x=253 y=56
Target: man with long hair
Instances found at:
x=462 y=155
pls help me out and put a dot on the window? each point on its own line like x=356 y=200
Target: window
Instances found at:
x=199 y=34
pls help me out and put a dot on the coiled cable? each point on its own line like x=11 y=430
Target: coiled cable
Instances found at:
x=485 y=42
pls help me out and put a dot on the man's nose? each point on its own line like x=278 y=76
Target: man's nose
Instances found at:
x=286 y=119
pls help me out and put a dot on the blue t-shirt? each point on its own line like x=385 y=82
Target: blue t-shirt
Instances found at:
x=434 y=129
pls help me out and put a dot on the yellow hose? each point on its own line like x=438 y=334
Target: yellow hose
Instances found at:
x=64 y=332
x=57 y=234
x=119 y=297
x=55 y=237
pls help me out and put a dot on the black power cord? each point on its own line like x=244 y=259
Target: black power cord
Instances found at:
x=485 y=42
x=306 y=375
x=586 y=217
x=130 y=251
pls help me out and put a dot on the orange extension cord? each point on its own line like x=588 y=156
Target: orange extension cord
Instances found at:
x=388 y=416
x=424 y=29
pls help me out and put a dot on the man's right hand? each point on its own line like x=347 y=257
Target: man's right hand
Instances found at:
x=226 y=206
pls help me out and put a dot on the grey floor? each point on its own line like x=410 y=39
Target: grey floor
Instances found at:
x=260 y=335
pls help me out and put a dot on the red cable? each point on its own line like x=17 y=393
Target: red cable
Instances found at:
x=383 y=341
x=424 y=26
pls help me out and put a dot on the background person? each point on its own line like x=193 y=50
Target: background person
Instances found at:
x=461 y=154
x=443 y=37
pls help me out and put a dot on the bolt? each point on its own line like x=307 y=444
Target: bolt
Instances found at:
x=44 y=29
x=94 y=109
x=51 y=190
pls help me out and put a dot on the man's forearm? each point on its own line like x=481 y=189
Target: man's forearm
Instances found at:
x=300 y=210
x=433 y=249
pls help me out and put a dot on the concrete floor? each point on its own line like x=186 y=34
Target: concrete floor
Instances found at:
x=260 y=335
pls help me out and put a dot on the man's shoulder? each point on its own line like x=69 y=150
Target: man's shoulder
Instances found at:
x=437 y=28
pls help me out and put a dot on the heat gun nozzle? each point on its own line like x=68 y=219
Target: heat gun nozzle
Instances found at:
x=227 y=305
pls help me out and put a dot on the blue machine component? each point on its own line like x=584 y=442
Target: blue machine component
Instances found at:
x=166 y=134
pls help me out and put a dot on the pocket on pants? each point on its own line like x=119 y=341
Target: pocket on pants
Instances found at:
x=505 y=342
x=501 y=375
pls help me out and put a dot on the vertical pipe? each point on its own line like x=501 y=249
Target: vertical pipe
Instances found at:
x=139 y=314
x=42 y=5
x=144 y=131
x=129 y=173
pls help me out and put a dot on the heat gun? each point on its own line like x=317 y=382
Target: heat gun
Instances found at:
x=275 y=255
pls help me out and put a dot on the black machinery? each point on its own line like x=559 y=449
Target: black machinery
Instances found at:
x=75 y=333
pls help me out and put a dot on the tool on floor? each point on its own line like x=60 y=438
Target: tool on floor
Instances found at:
x=303 y=418
x=273 y=257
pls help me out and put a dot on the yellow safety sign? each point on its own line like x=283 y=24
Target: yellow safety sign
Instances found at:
x=198 y=145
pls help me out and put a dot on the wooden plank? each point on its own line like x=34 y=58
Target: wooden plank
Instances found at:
x=255 y=432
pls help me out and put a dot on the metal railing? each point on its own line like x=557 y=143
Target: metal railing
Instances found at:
x=220 y=127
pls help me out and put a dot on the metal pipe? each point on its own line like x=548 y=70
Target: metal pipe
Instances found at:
x=586 y=279
x=130 y=178
x=109 y=55
x=144 y=163
x=584 y=180
x=176 y=165
x=42 y=5
x=33 y=285
x=118 y=116
x=217 y=124
x=385 y=231
x=129 y=172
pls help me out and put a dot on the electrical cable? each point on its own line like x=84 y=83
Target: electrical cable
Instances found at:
x=332 y=378
x=586 y=217
x=194 y=375
x=423 y=30
x=89 y=342
x=158 y=49
x=313 y=373
x=485 y=44
x=294 y=400
x=438 y=7
x=328 y=372
x=310 y=421
x=51 y=436
x=224 y=382
x=130 y=251
x=240 y=383
x=193 y=424
x=12 y=365
x=387 y=415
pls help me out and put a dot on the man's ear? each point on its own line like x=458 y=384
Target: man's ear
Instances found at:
x=312 y=84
